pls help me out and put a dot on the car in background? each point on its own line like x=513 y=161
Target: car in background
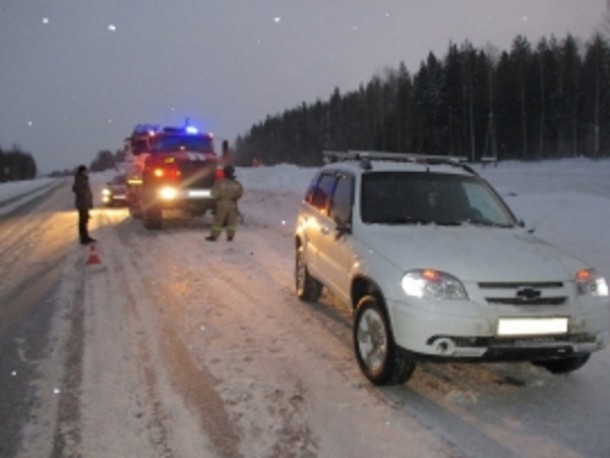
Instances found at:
x=114 y=192
x=436 y=267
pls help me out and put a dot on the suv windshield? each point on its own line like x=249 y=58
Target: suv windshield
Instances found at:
x=425 y=198
x=119 y=180
x=182 y=142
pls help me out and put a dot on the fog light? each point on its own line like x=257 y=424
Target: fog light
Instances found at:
x=444 y=346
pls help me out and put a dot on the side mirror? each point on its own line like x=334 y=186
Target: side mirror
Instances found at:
x=531 y=230
x=343 y=227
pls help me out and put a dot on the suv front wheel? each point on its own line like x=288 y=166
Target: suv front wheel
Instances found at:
x=564 y=365
x=379 y=358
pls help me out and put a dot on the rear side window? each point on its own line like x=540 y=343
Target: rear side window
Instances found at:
x=320 y=192
x=311 y=189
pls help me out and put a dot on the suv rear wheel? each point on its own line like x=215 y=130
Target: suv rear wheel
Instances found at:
x=308 y=288
x=153 y=218
x=379 y=358
x=135 y=211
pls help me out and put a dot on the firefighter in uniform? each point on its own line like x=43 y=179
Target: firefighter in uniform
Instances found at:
x=227 y=191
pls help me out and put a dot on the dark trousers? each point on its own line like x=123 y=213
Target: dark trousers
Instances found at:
x=83 y=219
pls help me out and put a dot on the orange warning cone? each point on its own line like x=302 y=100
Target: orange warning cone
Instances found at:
x=93 y=257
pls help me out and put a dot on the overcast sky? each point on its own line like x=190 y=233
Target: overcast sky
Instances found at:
x=77 y=75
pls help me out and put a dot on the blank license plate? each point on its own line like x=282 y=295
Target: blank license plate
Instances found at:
x=532 y=326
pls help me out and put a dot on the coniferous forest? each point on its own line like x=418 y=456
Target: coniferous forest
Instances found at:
x=534 y=101
x=16 y=165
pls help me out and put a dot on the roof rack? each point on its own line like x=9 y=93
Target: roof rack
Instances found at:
x=365 y=158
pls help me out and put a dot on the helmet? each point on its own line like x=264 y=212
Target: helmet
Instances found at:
x=229 y=171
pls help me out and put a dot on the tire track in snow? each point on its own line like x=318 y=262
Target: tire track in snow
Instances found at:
x=67 y=437
x=193 y=382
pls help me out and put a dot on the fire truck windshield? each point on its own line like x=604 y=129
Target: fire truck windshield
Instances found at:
x=197 y=143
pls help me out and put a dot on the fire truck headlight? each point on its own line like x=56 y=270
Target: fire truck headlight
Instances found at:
x=168 y=193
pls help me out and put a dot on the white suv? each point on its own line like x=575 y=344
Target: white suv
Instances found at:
x=436 y=266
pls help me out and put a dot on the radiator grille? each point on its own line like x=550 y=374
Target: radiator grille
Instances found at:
x=524 y=293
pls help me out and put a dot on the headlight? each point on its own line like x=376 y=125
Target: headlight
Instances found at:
x=432 y=284
x=105 y=192
x=168 y=193
x=589 y=282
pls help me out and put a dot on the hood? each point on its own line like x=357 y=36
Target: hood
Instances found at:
x=473 y=253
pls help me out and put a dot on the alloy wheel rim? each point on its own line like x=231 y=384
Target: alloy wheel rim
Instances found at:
x=372 y=340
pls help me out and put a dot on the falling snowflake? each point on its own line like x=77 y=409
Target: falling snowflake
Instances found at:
x=45 y=20
x=112 y=27
x=277 y=19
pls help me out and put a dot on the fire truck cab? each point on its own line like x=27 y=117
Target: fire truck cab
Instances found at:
x=169 y=168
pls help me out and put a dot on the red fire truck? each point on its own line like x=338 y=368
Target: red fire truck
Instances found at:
x=169 y=168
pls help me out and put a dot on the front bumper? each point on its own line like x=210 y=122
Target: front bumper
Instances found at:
x=169 y=197
x=110 y=199
x=473 y=333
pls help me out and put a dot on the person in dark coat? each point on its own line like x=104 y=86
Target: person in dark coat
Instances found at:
x=83 y=201
x=227 y=191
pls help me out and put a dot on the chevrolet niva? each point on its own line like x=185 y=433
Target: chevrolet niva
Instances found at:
x=437 y=267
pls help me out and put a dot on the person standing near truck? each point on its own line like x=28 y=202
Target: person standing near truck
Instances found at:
x=83 y=201
x=226 y=191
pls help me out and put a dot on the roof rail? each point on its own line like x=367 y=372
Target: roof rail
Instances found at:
x=365 y=158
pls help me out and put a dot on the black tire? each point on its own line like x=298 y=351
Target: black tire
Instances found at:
x=153 y=218
x=563 y=365
x=308 y=289
x=379 y=358
x=135 y=211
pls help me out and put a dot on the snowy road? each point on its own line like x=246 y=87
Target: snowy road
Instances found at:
x=177 y=347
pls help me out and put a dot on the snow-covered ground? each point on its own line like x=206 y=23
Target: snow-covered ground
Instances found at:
x=16 y=193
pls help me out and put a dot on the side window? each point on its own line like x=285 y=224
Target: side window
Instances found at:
x=311 y=189
x=341 y=206
x=322 y=193
x=320 y=190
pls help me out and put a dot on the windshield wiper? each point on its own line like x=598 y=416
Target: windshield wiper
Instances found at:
x=487 y=223
x=404 y=220
x=449 y=223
